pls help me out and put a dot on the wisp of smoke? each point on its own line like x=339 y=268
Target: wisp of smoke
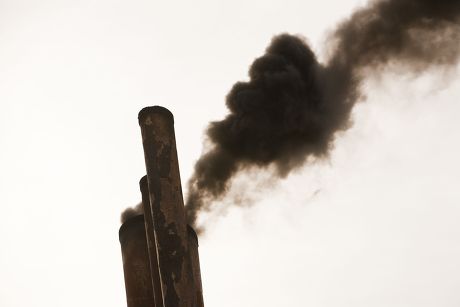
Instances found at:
x=292 y=106
x=131 y=212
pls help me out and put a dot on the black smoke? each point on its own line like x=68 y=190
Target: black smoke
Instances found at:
x=292 y=106
x=131 y=212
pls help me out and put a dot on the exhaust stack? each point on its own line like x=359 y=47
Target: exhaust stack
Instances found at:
x=160 y=251
x=136 y=264
x=172 y=245
x=195 y=266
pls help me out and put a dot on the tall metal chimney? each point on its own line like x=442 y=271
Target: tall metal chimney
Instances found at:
x=167 y=207
x=195 y=266
x=136 y=267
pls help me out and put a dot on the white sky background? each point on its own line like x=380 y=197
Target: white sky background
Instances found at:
x=377 y=225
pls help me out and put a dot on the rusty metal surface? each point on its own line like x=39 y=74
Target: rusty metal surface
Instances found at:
x=151 y=243
x=136 y=267
x=167 y=205
x=195 y=265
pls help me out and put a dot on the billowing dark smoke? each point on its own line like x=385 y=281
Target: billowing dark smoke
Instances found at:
x=131 y=212
x=292 y=106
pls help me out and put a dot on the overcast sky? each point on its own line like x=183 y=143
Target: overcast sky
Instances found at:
x=375 y=225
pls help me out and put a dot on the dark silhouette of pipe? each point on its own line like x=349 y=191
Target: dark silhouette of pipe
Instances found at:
x=136 y=264
x=195 y=266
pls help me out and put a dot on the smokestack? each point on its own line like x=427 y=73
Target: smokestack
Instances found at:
x=167 y=206
x=136 y=268
x=195 y=266
x=151 y=243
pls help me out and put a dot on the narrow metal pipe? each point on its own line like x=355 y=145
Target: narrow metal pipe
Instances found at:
x=136 y=264
x=151 y=243
x=195 y=264
x=167 y=205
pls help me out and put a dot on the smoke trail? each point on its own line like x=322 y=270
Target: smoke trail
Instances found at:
x=292 y=106
x=131 y=212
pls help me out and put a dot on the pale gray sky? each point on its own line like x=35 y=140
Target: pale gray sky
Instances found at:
x=376 y=225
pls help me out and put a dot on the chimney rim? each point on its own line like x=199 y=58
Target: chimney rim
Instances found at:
x=152 y=110
x=192 y=232
x=143 y=180
x=132 y=220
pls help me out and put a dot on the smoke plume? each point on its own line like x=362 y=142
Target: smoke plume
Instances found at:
x=292 y=106
x=132 y=212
